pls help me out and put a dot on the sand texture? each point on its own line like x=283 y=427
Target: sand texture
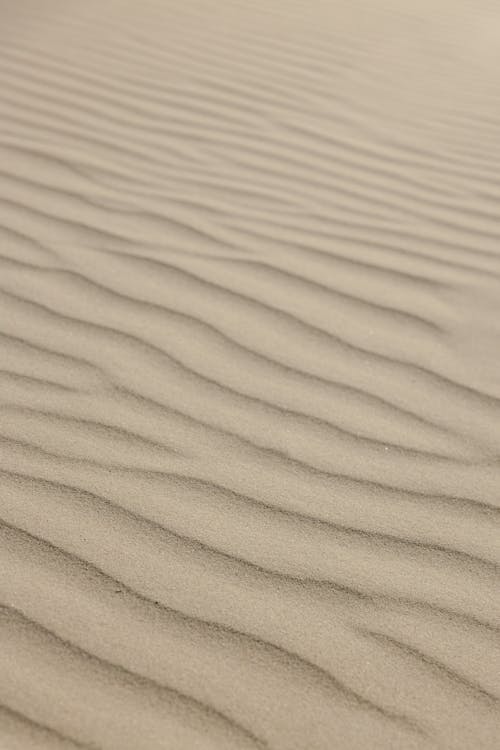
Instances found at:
x=249 y=375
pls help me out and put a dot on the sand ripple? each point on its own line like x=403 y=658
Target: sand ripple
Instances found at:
x=249 y=375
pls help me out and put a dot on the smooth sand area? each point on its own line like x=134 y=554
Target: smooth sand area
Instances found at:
x=249 y=374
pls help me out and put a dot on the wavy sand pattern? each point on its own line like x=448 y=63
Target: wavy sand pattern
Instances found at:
x=249 y=375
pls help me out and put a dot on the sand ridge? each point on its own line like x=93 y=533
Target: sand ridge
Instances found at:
x=249 y=375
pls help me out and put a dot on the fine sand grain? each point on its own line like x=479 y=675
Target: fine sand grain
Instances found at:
x=249 y=374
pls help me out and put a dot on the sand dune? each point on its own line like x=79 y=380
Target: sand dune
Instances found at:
x=249 y=375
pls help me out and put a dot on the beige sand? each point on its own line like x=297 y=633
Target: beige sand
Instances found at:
x=249 y=374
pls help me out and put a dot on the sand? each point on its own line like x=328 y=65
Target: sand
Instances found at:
x=249 y=375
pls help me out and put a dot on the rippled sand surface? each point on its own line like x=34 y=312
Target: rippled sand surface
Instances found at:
x=249 y=375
